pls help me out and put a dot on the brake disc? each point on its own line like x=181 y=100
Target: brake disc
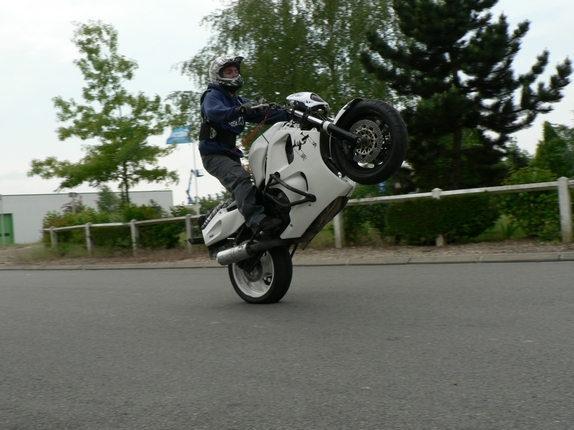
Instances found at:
x=372 y=142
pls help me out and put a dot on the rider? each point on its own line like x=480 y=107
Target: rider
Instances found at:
x=224 y=114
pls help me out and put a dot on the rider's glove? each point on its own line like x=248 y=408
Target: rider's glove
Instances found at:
x=252 y=107
x=248 y=108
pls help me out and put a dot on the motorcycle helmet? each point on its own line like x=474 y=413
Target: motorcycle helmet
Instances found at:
x=216 y=68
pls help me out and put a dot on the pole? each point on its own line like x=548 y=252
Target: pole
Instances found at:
x=338 y=229
x=565 y=205
x=196 y=199
x=88 y=238
x=439 y=241
x=73 y=195
x=134 y=234
x=188 y=231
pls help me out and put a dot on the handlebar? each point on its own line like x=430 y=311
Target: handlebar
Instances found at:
x=327 y=125
x=330 y=128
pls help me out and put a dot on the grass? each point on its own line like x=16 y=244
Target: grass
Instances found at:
x=38 y=252
x=505 y=228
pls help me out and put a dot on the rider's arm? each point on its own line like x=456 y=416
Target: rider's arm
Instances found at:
x=217 y=109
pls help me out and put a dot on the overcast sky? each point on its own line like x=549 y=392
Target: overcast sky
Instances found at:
x=36 y=64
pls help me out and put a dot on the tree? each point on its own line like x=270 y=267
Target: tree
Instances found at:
x=120 y=120
x=457 y=62
x=556 y=151
x=290 y=46
x=516 y=158
x=108 y=201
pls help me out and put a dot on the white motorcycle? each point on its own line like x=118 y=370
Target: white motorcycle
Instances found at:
x=306 y=171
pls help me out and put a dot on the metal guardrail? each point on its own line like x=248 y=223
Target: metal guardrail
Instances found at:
x=563 y=186
x=133 y=225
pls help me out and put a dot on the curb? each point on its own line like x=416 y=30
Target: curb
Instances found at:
x=445 y=259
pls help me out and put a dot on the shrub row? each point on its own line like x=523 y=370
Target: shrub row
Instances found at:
x=460 y=218
x=150 y=236
x=457 y=218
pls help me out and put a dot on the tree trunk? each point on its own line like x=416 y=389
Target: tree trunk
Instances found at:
x=126 y=184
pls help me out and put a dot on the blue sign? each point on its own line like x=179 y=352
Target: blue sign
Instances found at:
x=179 y=135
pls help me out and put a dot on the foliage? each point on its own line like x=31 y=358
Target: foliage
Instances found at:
x=290 y=46
x=360 y=221
x=556 y=151
x=75 y=205
x=68 y=218
x=166 y=235
x=457 y=62
x=108 y=201
x=457 y=218
x=210 y=201
x=120 y=120
x=156 y=235
x=537 y=213
x=504 y=229
x=516 y=158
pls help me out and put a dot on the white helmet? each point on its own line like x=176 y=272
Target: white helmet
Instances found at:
x=221 y=63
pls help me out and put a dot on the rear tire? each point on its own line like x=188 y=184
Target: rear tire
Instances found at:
x=268 y=280
x=385 y=148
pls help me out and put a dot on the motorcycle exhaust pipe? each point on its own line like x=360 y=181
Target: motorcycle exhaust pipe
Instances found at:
x=245 y=251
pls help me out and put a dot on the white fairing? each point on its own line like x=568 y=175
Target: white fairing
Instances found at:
x=258 y=153
x=223 y=225
x=309 y=100
x=294 y=155
x=306 y=172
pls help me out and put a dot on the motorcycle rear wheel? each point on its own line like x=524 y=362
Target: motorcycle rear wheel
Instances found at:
x=268 y=280
x=384 y=148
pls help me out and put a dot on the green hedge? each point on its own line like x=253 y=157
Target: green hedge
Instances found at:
x=536 y=212
x=457 y=218
x=150 y=236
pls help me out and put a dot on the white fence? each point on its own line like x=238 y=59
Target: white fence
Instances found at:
x=562 y=186
x=133 y=225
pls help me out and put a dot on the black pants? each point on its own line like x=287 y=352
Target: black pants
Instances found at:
x=237 y=180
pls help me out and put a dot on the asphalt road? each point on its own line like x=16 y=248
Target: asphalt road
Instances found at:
x=450 y=346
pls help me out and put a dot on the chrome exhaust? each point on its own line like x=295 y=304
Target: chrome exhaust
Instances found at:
x=246 y=250
x=233 y=255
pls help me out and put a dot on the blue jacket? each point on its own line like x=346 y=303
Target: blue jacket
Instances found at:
x=221 y=110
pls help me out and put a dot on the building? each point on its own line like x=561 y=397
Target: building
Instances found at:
x=21 y=215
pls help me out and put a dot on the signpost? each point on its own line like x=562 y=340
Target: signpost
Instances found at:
x=181 y=135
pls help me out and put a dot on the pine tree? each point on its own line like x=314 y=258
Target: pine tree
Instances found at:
x=457 y=62
x=556 y=151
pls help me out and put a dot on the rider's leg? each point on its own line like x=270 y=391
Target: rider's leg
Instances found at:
x=236 y=179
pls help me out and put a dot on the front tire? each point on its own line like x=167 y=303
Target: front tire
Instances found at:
x=385 y=142
x=265 y=280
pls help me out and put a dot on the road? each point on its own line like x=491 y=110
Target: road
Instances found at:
x=449 y=346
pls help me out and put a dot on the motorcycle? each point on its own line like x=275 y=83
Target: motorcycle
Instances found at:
x=305 y=170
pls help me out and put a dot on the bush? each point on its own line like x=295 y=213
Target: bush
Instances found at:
x=457 y=218
x=150 y=236
x=66 y=219
x=536 y=212
x=365 y=224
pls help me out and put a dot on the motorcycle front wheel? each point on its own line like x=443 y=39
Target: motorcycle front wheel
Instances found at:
x=384 y=146
x=265 y=280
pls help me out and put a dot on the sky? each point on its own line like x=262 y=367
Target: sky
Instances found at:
x=36 y=65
